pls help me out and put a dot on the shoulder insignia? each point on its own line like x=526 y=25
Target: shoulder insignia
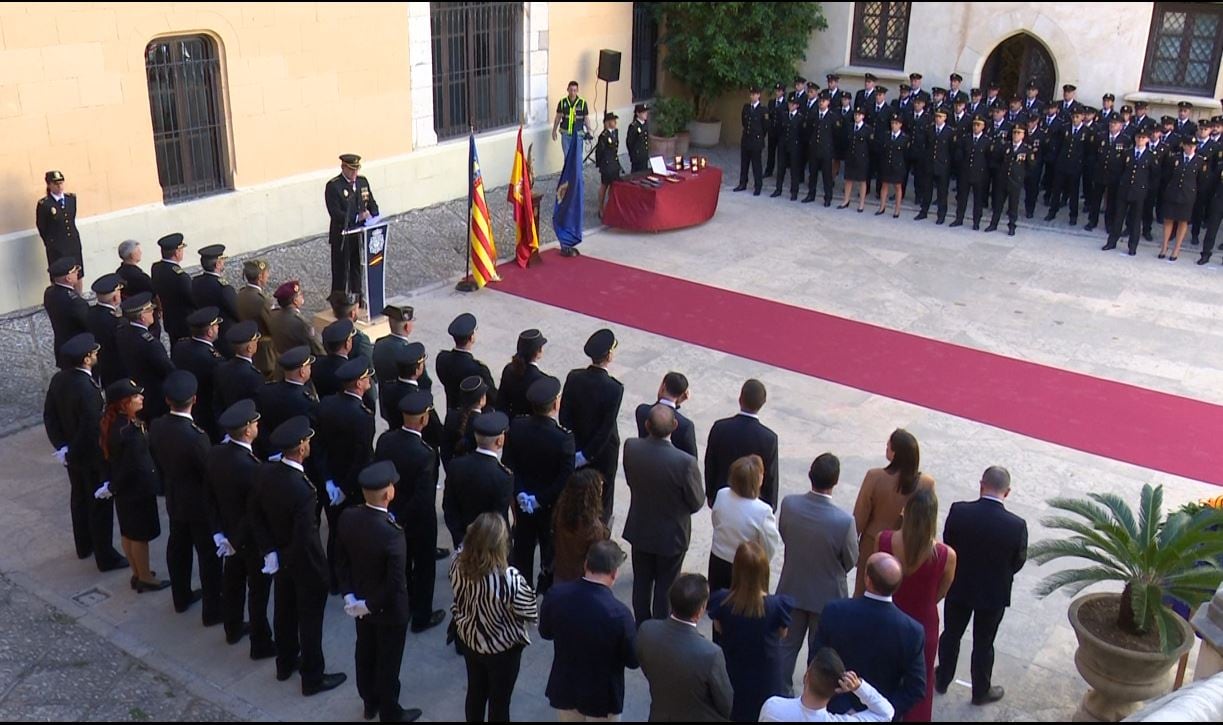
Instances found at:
x=146 y=336
x=392 y=522
x=178 y=270
x=197 y=428
x=42 y=201
x=223 y=282
x=504 y=467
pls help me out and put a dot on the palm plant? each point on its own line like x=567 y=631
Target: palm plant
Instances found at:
x=1151 y=555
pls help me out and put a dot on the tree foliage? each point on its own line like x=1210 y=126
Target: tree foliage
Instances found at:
x=718 y=47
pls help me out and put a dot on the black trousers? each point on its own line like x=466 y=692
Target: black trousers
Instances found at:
x=346 y=263
x=937 y=192
x=379 y=655
x=531 y=530
x=1066 y=191
x=1048 y=177
x=421 y=570
x=653 y=575
x=774 y=137
x=1126 y=215
x=1201 y=205
x=1031 y=188
x=977 y=189
x=1103 y=195
x=749 y=155
x=607 y=464
x=188 y=536
x=984 y=629
x=1005 y=194
x=792 y=162
x=242 y=574
x=1214 y=216
x=333 y=525
x=922 y=181
x=490 y=683
x=298 y=623
x=1150 y=208
x=93 y=520
x=821 y=168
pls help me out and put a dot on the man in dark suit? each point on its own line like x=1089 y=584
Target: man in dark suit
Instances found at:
x=751 y=142
x=882 y=644
x=55 y=217
x=1130 y=196
x=673 y=392
x=401 y=320
x=285 y=525
x=143 y=356
x=1110 y=151
x=686 y=672
x=590 y=405
x=291 y=396
x=371 y=563
x=135 y=279
x=103 y=322
x=414 y=507
x=541 y=454
x=1015 y=160
x=665 y=484
x=198 y=355
x=821 y=135
x=594 y=636
x=209 y=289
x=1068 y=169
x=953 y=89
x=742 y=435
x=478 y=482
x=349 y=204
x=973 y=172
x=938 y=151
x=66 y=309
x=992 y=544
x=452 y=366
x=180 y=450
x=789 y=156
x=237 y=378
x=1051 y=123
x=232 y=467
x=172 y=286
x=72 y=416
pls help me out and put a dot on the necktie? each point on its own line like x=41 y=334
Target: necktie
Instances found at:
x=61 y=202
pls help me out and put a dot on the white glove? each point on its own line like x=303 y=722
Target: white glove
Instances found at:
x=579 y=460
x=62 y=456
x=271 y=563
x=224 y=548
x=103 y=491
x=522 y=502
x=354 y=607
x=275 y=457
x=334 y=494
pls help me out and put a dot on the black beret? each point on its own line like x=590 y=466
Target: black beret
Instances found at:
x=291 y=433
x=137 y=303
x=203 y=317
x=471 y=389
x=492 y=423
x=462 y=326
x=416 y=403
x=410 y=354
x=295 y=357
x=180 y=385
x=403 y=313
x=171 y=241
x=121 y=389
x=338 y=331
x=243 y=332
x=354 y=369
x=107 y=283
x=212 y=251
x=377 y=476
x=600 y=344
x=544 y=390
x=238 y=415
x=62 y=267
x=78 y=346
x=530 y=342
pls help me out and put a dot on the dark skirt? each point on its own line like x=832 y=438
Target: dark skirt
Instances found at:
x=858 y=167
x=1177 y=211
x=139 y=519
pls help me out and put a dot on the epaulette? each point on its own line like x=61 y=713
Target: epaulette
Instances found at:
x=178 y=270
x=392 y=522
x=146 y=336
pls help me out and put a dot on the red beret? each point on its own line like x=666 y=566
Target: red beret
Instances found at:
x=287 y=290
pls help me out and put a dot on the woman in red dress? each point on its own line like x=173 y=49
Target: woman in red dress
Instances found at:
x=929 y=568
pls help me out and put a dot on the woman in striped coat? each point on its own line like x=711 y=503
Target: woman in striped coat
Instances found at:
x=493 y=604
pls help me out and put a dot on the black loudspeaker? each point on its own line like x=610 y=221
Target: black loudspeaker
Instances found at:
x=609 y=65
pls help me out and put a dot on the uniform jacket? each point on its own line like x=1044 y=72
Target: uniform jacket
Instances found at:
x=146 y=362
x=57 y=226
x=290 y=329
x=233 y=380
x=540 y=453
x=283 y=519
x=754 y=124
x=452 y=366
x=590 y=405
x=173 y=287
x=103 y=324
x=344 y=443
x=72 y=416
x=345 y=204
x=637 y=140
x=371 y=563
x=180 y=449
x=68 y=313
x=415 y=501
x=201 y=360
x=231 y=477
x=253 y=304
x=476 y=483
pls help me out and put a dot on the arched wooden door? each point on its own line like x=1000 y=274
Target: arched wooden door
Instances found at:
x=1018 y=60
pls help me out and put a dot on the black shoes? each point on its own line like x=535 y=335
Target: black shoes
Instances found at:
x=775 y=194
x=236 y=637
x=940 y=220
x=957 y=223
x=808 y=199
x=920 y=216
x=794 y=197
x=941 y=687
x=196 y=595
x=994 y=694
x=408 y=714
x=1010 y=232
x=976 y=226
x=440 y=552
x=285 y=672
x=1203 y=260
x=263 y=652
x=1109 y=246
x=1073 y=221
x=992 y=227
x=113 y=565
x=565 y=252
x=142 y=587
x=1089 y=227
x=435 y=619
x=756 y=192
x=328 y=682
x=740 y=187
x=827 y=203
x=1050 y=216
x=371 y=712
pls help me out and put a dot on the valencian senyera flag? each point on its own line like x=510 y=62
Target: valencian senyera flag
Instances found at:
x=520 y=201
x=480 y=228
x=567 y=214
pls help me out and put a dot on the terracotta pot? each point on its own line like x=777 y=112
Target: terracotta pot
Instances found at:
x=664 y=147
x=1121 y=679
x=682 y=140
x=705 y=134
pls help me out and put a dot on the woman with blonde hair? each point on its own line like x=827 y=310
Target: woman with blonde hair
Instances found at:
x=738 y=516
x=493 y=604
x=884 y=493
x=929 y=569
x=577 y=524
x=751 y=623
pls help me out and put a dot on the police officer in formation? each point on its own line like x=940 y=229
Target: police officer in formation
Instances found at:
x=478 y=482
x=454 y=366
x=198 y=355
x=67 y=311
x=237 y=378
x=143 y=356
x=209 y=289
x=103 y=321
x=751 y=144
x=172 y=287
x=590 y=406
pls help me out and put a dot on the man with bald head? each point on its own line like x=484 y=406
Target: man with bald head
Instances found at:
x=885 y=646
x=992 y=544
x=665 y=489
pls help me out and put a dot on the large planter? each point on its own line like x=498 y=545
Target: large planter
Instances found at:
x=1121 y=679
x=705 y=134
x=682 y=139
x=664 y=147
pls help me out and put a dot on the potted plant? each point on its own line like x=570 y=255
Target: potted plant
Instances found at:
x=1129 y=642
x=715 y=48
x=668 y=117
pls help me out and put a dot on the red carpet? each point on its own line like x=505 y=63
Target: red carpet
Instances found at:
x=1123 y=422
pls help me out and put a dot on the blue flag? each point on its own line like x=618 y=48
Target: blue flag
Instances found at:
x=567 y=213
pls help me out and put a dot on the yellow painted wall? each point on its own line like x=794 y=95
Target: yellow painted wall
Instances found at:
x=576 y=33
x=74 y=97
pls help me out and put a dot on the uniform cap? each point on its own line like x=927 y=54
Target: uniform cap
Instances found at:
x=179 y=386
x=543 y=391
x=285 y=293
x=1139 y=105
x=530 y=342
x=490 y=424
x=239 y=415
x=1109 y=97
x=377 y=476
x=813 y=86
x=904 y=87
x=1167 y=120
x=870 y=77
x=107 y=283
x=471 y=389
x=994 y=86
x=136 y=304
x=78 y=346
x=779 y=87
x=291 y=433
x=351 y=161
x=609 y=116
x=640 y=108
x=753 y=89
x=832 y=77
x=295 y=357
x=915 y=76
x=410 y=354
x=974 y=92
x=1031 y=86
x=824 y=96
x=204 y=317
x=121 y=389
x=51 y=176
x=880 y=90
x=799 y=79
x=212 y=251
x=338 y=332
x=62 y=267
x=402 y=313
x=355 y=369
x=416 y=402
x=1184 y=104
x=1115 y=119
x=171 y=241
x=462 y=326
x=959 y=101
x=978 y=119
x=600 y=344
x=1014 y=100
x=1143 y=132
x=253 y=267
x=940 y=111
x=956 y=77
x=1127 y=109
x=1068 y=88
x=242 y=333
x=936 y=91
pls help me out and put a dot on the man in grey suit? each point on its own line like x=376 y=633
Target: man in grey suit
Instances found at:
x=665 y=488
x=821 y=544
x=686 y=672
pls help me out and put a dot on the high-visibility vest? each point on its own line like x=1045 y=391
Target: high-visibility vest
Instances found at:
x=573 y=108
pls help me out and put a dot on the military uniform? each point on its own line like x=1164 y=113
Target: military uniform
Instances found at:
x=789 y=153
x=1014 y=165
x=1110 y=154
x=637 y=140
x=291 y=329
x=253 y=304
x=345 y=201
x=751 y=144
x=1037 y=141
x=385 y=368
x=973 y=157
x=344 y=446
x=103 y=323
x=518 y=375
x=453 y=366
x=173 y=287
x=776 y=126
x=56 y=222
x=147 y=363
x=136 y=281
x=1129 y=197
x=201 y=359
x=1068 y=170
x=1214 y=216
x=939 y=147
x=821 y=149
x=607 y=156
x=209 y=289
x=277 y=403
x=590 y=405
x=235 y=379
x=476 y=483
x=68 y=313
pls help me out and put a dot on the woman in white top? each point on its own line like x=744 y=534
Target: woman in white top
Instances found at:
x=826 y=677
x=738 y=516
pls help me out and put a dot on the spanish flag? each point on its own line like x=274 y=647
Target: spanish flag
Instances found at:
x=480 y=231
x=519 y=198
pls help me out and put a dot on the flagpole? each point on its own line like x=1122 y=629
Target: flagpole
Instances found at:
x=467 y=284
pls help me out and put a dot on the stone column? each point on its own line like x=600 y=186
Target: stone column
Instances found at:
x=1208 y=621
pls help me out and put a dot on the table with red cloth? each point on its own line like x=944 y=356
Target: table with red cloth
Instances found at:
x=692 y=200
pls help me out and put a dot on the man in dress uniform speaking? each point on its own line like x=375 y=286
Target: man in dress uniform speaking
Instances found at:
x=349 y=204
